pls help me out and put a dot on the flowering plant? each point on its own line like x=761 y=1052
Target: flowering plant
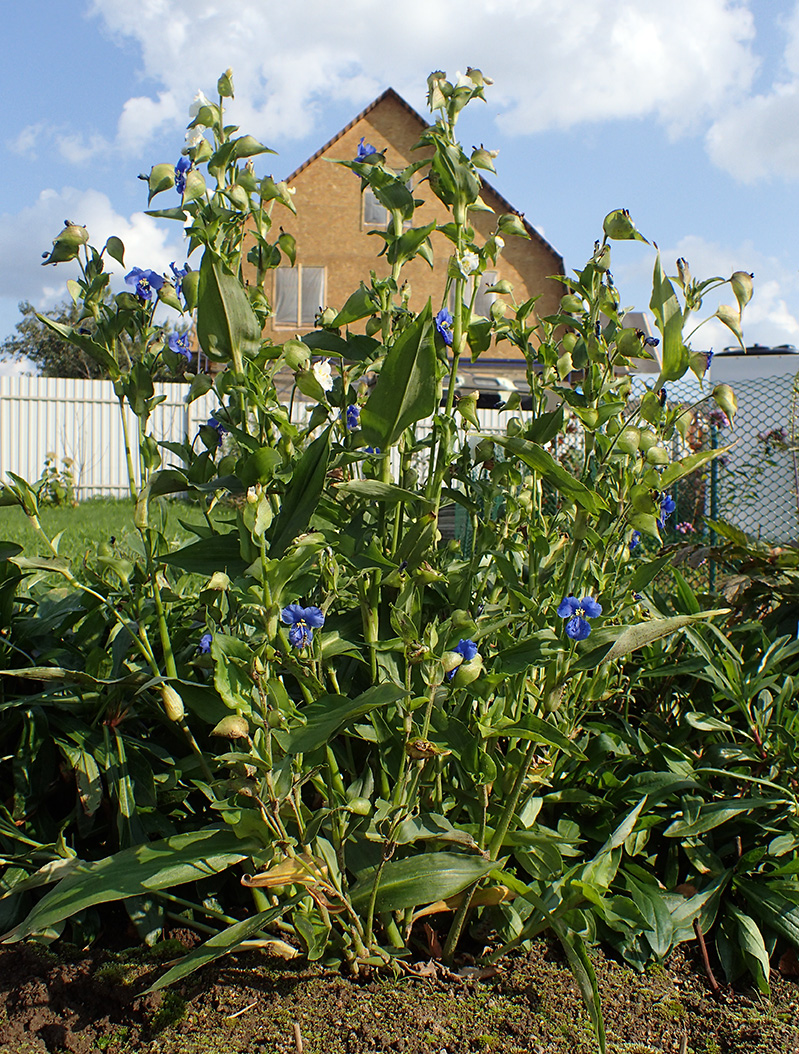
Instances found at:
x=398 y=698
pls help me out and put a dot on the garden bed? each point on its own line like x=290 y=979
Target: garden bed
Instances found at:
x=84 y=1002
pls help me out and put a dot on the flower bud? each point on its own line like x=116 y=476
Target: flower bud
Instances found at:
x=725 y=400
x=173 y=704
x=657 y=455
x=468 y=672
x=741 y=282
x=571 y=303
x=620 y=227
x=569 y=342
x=684 y=272
x=451 y=660
x=467 y=408
x=647 y=440
x=234 y=726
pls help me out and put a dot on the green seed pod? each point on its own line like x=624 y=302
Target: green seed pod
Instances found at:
x=725 y=400
x=571 y=303
x=234 y=726
x=620 y=227
x=741 y=282
x=451 y=660
x=173 y=704
x=569 y=342
x=657 y=455
x=468 y=672
x=647 y=440
x=359 y=806
x=484 y=450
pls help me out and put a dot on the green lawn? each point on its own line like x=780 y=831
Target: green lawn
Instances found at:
x=86 y=525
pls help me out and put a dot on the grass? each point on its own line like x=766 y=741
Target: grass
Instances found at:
x=85 y=526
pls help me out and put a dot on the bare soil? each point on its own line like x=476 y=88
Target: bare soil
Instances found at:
x=81 y=1002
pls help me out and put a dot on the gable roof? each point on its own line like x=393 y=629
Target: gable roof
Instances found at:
x=389 y=93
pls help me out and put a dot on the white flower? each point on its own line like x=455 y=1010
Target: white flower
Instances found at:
x=321 y=371
x=468 y=263
x=499 y=242
x=199 y=100
x=194 y=136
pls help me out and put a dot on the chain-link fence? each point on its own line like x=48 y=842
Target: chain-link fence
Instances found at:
x=753 y=484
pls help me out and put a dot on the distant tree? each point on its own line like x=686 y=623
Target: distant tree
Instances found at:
x=52 y=356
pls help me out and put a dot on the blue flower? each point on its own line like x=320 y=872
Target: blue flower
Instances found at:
x=373 y=450
x=364 y=150
x=667 y=507
x=146 y=282
x=181 y=168
x=443 y=322
x=578 y=612
x=467 y=649
x=204 y=645
x=651 y=342
x=179 y=343
x=217 y=426
x=303 y=621
x=353 y=417
x=179 y=273
x=708 y=359
x=635 y=540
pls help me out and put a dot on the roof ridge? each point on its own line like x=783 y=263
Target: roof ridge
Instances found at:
x=390 y=93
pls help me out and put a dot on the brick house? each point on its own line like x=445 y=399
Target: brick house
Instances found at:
x=335 y=251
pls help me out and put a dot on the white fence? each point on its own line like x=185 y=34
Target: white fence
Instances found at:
x=80 y=419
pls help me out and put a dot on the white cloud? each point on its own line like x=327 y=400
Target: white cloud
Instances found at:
x=758 y=137
x=26 y=234
x=553 y=67
x=771 y=317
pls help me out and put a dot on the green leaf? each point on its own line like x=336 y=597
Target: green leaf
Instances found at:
x=751 y=942
x=644 y=573
x=650 y=900
x=222 y=944
x=226 y=324
x=407 y=388
x=115 y=249
x=535 y=730
x=360 y=304
x=542 y=462
x=376 y=490
x=714 y=814
x=686 y=465
x=537 y=650
x=220 y=553
x=195 y=186
x=156 y=865
x=669 y=319
x=772 y=907
x=247 y=146
x=302 y=495
x=421 y=879
x=612 y=642
x=329 y=714
x=80 y=340
x=161 y=177
x=259 y=467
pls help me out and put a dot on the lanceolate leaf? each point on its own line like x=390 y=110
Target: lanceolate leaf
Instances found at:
x=327 y=715
x=772 y=907
x=223 y=943
x=302 y=495
x=668 y=314
x=156 y=865
x=542 y=462
x=420 y=879
x=226 y=324
x=407 y=389
x=613 y=642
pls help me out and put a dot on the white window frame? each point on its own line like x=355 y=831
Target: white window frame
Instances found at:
x=305 y=315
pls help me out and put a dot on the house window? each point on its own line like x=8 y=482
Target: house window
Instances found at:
x=484 y=299
x=299 y=295
x=375 y=214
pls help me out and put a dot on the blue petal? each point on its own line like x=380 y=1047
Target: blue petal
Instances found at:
x=591 y=607
x=292 y=613
x=577 y=628
x=466 y=648
x=568 y=606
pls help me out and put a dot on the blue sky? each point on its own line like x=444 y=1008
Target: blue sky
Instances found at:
x=687 y=114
